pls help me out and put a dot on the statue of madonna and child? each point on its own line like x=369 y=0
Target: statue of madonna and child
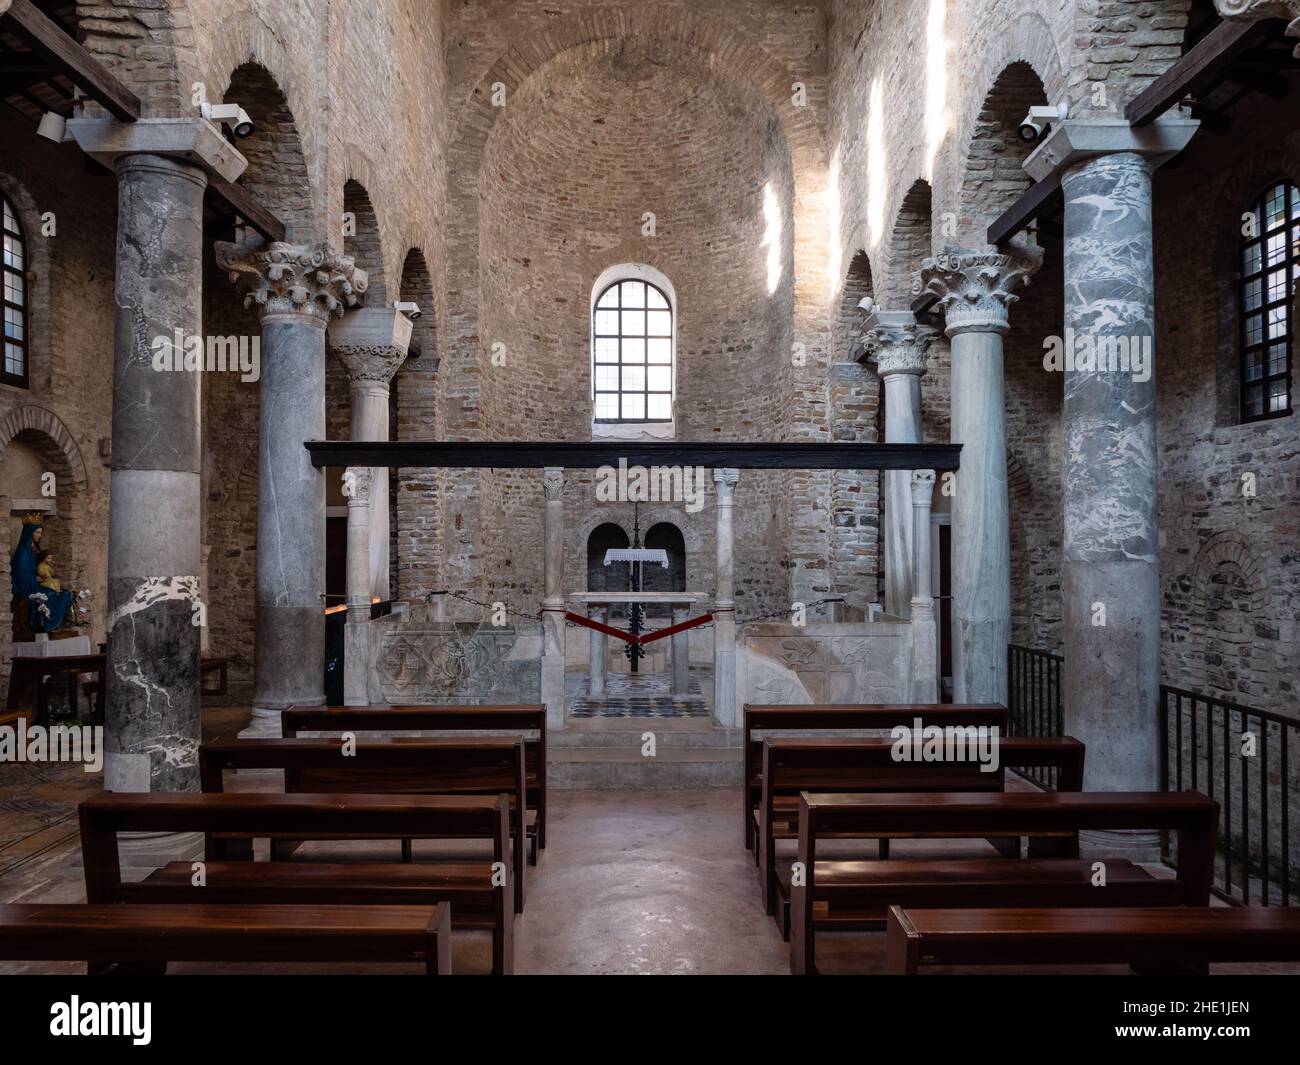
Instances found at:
x=32 y=576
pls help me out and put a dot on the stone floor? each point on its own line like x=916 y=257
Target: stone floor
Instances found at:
x=637 y=695
x=631 y=881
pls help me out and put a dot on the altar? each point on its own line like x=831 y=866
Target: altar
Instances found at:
x=597 y=604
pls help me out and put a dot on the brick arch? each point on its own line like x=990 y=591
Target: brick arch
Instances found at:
x=910 y=240
x=367 y=245
x=1228 y=550
x=30 y=418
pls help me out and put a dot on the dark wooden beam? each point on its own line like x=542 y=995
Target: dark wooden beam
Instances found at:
x=1043 y=198
x=252 y=212
x=499 y=455
x=48 y=41
x=1203 y=64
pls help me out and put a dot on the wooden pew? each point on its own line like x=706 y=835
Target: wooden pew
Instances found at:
x=447 y=718
x=836 y=716
x=1142 y=937
x=105 y=936
x=857 y=894
x=793 y=766
x=478 y=766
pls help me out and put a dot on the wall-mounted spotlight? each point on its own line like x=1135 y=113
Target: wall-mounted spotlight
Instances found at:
x=411 y=310
x=53 y=127
x=231 y=115
x=1039 y=120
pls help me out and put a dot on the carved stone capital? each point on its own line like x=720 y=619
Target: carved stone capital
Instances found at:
x=365 y=362
x=726 y=479
x=356 y=485
x=922 y=488
x=976 y=288
x=553 y=484
x=306 y=279
x=894 y=340
x=1257 y=10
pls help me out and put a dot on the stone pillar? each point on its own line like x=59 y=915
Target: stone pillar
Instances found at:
x=1257 y=10
x=900 y=348
x=724 y=607
x=153 y=612
x=357 y=486
x=371 y=343
x=1110 y=582
x=553 y=601
x=681 y=646
x=596 y=689
x=975 y=290
x=925 y=626
x=298 y=289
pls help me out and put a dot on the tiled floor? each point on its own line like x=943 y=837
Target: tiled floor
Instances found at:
x=631 y=881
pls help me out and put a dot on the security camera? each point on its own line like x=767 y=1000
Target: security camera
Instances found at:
x=411 y=310
x=1039 y=121
x=231 y=115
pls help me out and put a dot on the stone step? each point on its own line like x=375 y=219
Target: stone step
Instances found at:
x=629 y=736
x=598 y=768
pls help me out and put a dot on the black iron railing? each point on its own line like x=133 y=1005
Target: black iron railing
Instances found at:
x=1034 y=700
x=1248 y=760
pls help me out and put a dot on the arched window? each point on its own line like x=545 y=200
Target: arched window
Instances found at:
x=632 y=352
x=1270 y=268
x=14 y=370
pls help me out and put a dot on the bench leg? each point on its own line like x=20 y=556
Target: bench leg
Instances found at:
x=437 y=950
x=902 y=952
x=503 y=937
x=532 y=851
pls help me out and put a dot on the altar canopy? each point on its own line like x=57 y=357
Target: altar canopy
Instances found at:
x=654 y=555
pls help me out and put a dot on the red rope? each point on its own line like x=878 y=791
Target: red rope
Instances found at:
x=627 y=637
x=693 y=623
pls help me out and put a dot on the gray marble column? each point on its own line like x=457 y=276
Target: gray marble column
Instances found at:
x=925 y=627
x=1257 y=10
x=372 y=343
x=298 y=289
x=1110 y=581
x=155 y=506
x=724 y=607
x=357 y=486
x=975 y=290
x=900 y=348
x=553 y=600
x=596 y=688
x=681 y=649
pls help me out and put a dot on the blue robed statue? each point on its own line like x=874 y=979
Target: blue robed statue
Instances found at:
x=31 y=573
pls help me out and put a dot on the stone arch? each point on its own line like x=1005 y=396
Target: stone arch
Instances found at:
x=602 y=537
x=1229 y=550
x=363 y=240
x=15 y=185
x=910 y=241
x=1229 y=597
x=669 y=536
x=30 y=420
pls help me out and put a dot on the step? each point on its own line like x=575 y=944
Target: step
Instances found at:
x=572 y=768
x=667 y=736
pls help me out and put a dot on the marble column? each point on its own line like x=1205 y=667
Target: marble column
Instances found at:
x=596 y=689
x=1257 y=10
x=724 y=606
x=357 y=485
x=154 y=563
x=553 y=597
x=681 y=648
x=925 y=626
x=900 y=348
x=1110 y=581
x=975 y=290
x=298 y=289
x=372 y=343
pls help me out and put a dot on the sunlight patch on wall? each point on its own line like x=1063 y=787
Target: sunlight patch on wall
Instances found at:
x=835 y=253
x=772 y=237
x=937 y=116
x=877 y=186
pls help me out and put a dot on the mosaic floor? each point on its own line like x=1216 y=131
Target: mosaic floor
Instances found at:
x=638 y=695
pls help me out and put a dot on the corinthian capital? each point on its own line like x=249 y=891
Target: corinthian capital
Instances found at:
x=553 y=483
x=280 y=278
x=976 y=288
x=1257 y=10
x=356 y=485
x=894 y=340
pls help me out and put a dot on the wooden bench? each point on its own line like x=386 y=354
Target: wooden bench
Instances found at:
x=480 y=766
x=480 y=893
x=793 y=766
x=840 y=716
x=1143 y=937
x=109 y=936
x=832 y=894
x=448 y=718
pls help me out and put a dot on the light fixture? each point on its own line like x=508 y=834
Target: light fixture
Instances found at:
x=231 y=115
x=408 y=308
x=53 y=127
x=1039 y=121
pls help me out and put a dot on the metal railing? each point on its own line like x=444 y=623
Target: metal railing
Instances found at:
x=1245 y=759
x=1034 y=700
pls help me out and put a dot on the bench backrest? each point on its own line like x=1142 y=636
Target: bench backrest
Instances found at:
x=256 y=813
x=1191 y=815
